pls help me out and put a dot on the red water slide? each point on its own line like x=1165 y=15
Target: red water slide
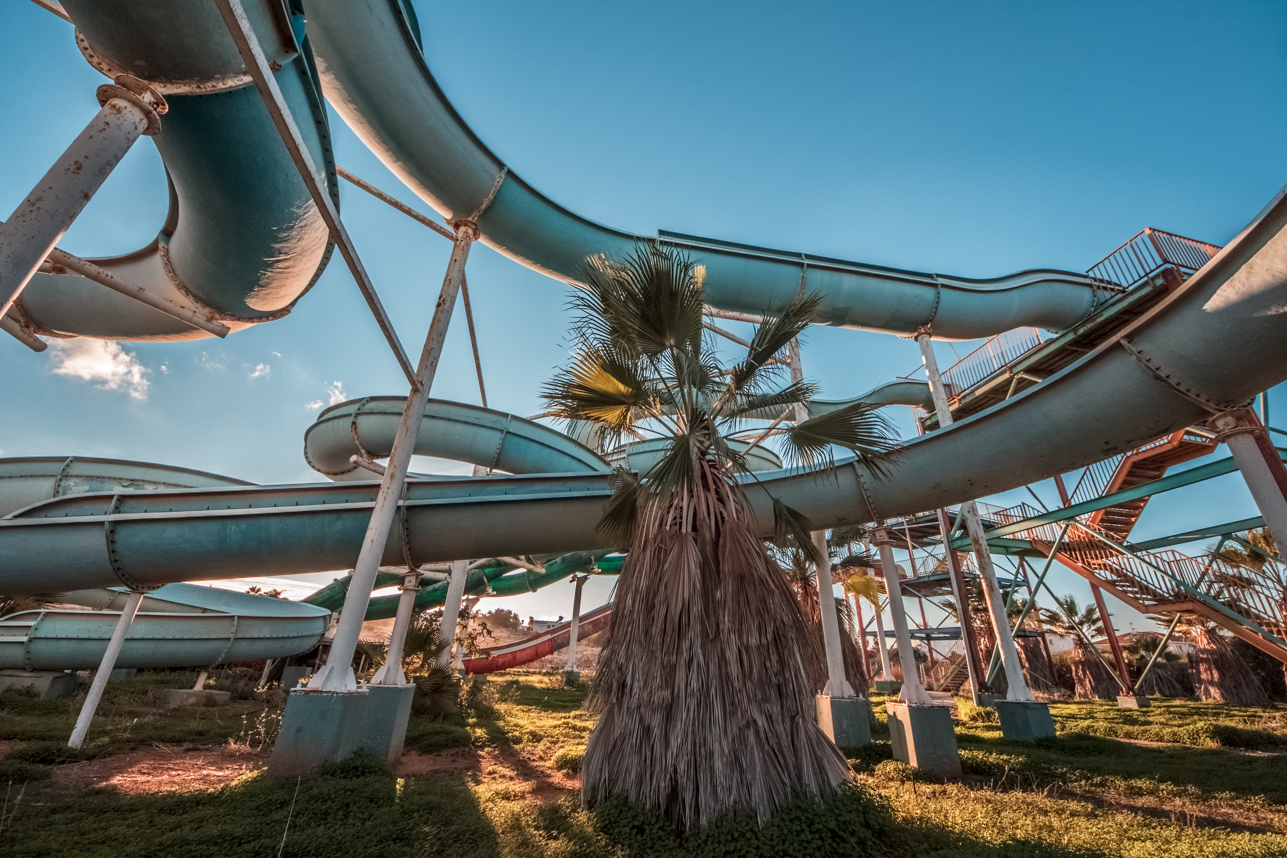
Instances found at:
x=528 y=650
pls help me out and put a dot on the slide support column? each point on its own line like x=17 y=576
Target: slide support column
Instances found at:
x=105 y=667
x=391 y=673
x=570 y=674
x=451 y=611
x=1018 y=686
x=337 y=674
x=1261 y=467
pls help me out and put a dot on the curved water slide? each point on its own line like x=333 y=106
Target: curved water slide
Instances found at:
x=505 y=656
x=178 y=625
x=242 y=241
x=1213 y=343
x=374 y=73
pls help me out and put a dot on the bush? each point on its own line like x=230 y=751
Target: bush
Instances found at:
x=568 y=760
x=894 y=771
x=968 y=712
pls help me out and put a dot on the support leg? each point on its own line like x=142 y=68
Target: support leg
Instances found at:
x=570 y=672
x=1260 y=465
x=390 y=673
x=837 y=684
x=451 y=611
x=105 y=669
x=913 y=692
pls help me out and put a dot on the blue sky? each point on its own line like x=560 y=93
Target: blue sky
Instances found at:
x=971 y=139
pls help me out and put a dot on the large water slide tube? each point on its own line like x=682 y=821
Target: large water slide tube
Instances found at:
x=374 y=74
x=242 y=241
x=1213 y=343
x=178 y=625
x=505 y=656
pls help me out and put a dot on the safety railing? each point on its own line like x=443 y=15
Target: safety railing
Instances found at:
x=994 y=355
x=1147 y=253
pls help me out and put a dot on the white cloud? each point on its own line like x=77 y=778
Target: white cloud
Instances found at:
x=277 y=354
x=335 y=391
x=314 y=405
x=213 y=363
x=261 y=371
x=103 y=361
x=165 y=369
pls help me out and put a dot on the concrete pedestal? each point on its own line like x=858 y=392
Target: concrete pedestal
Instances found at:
x=321 y=727
x=922 y=736
x=571 y=677
x=1133 y=701
x=384 y=721
x=293 y=674
x=175 y=698
x=48 y=684
x=887 y=686
x=318 y=727
x=1025 y=722
x=845 y=720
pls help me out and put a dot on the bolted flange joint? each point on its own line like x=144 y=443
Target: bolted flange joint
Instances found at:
x=138 y=93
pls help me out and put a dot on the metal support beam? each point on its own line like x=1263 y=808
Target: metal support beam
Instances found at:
x=961 y=593
x=578 y=581
x=130 y=109
x=90 y=706
x=243 y=35
x=1018 y=686
x=391 y=672
x=1161 y=648
x=1027 y=609
x=837 y=684
x=1261 y=467
x=451 y=611
x=337 y=675
x=1114 y=645
x=913 y=691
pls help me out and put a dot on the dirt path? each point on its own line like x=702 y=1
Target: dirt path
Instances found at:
x=161 y=768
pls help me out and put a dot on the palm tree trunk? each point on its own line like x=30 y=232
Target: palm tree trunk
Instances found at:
x=703 y=702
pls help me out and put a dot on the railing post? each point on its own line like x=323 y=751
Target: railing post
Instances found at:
x=130 y=109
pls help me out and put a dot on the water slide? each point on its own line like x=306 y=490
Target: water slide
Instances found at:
x=505 y=656
x=242 y=241
x=1213 y=343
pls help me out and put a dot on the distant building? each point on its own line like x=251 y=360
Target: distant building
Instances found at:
x=539 y=626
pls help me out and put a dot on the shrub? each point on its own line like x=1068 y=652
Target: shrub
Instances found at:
x=568 y=760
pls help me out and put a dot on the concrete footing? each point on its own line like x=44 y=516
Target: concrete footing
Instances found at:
x=845 y=720
x=571 y=677
x=887 y=686
x=1133 y=701
x=922 y=736
x=988 y=701
x=175 y=698
x=293 y=674
x=384 y=721
x=322 y=727
x=48 y=684
x=1024 y=721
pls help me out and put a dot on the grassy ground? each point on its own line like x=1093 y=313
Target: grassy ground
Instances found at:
x=500 y=780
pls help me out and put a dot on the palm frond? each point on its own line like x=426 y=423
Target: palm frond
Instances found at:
x=765 y=406
x=648 y=303
x=602 y=388
x=773 y=335
x=791 y=529
x=621 y=512
x=858 y=428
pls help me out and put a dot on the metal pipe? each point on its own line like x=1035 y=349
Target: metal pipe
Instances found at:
x=473 y=337
x=1161 y=647
x=1023 y=615
x=1018 y=686
x=1081 y=633
x=1114 y=645
x=837 y=684
x=961 y=593
x=90 y=706
x=130 y=109
x=337 y=675
x=451 y=611
x=390 y=673
x=243 y=35
x=1260 y=465
x=15 y=330
x=90 y=271
x=882 y=645
x=407 y=210
x=200 y=684
x=913 y=691
x=578 y=581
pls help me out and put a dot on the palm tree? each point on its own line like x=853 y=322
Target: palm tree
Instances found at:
x=702 y=701
x=1091 y=677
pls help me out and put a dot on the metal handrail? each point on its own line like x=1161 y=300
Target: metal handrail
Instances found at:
x=994 y=355
x=1145 y=254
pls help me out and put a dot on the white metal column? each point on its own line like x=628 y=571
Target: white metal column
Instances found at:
x=913 y=691
x=1260 y=466
x=578 y=582
x=391 y=672
x=90 y=706
x=337 y=674
x=451 y=610
x=130 y=109
x=837 y=684
x=1018 y=686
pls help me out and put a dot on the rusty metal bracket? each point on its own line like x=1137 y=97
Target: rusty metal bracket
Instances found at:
x=232 y=637
x=491 y=195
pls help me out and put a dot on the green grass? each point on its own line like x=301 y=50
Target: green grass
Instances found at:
x=1081 y=794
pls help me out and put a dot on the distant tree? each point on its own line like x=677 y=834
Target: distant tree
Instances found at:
x=503 y=619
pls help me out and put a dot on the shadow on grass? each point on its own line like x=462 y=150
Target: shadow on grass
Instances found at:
x=356 y=808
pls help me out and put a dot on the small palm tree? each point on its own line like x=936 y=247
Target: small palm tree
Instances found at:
x=702 y=701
